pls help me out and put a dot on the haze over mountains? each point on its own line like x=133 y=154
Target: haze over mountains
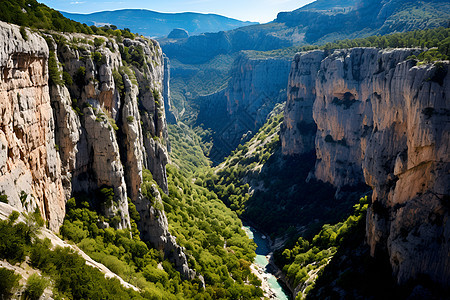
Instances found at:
x=156 y=24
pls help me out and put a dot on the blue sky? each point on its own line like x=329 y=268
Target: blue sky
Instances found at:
x=246 y=10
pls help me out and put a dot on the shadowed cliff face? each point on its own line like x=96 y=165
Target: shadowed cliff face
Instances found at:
x=384 y=121
x=255 y=87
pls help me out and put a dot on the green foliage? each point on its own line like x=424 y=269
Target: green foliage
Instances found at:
x=15 y=240
x=80 y=76
x=134 y=56
x=23 y=32
x=201 y=223
x=4 y=199
x=186 y=148
x=306 y=255
x=68 y=271
x=30 y=13
x=53 y=70
x=97 y=57
x=438 y=38
x=35 y=286
x=130 y=119
x=8 y=282
x=118 y=81
x=67 y=78
x=98 y=42
x=72 y=277
x=229 y=182
x=201 y=79
x=215 y=243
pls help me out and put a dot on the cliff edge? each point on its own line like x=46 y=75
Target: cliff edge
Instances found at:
x=382 y=120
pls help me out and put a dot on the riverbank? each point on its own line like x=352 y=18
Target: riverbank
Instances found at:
x=261 y=267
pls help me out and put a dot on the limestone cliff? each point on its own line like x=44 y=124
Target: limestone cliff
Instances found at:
x=30 y=166
x=255 y=86
x=384 y=121
x=299 y=128
x=83 y=114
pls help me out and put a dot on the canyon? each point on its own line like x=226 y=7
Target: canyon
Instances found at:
x=87 y=115
x=381 y=120
x=236 y=112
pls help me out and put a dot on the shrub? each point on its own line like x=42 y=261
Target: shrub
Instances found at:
x=8 y=281
x=53 y=70
x=97 y=57
x=4 y=198
x=130 y=119
x=67 y=78
x=23 y=33
x=80 y=76
x=98 y=42
x=35 y=286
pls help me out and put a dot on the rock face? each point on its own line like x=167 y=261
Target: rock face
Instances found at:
x=256 y=85
x=178 y=33
x=156 y=231
x=30 y=167
x=299 y=128
x=383 y=121
x=79 y=115
x=170 y=116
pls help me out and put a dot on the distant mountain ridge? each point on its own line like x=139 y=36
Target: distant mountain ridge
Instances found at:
x=156 y=24
x=319 y=22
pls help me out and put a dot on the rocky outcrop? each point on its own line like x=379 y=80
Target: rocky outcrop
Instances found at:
x=156 y=231
x=384 y=121
x=257 y=84
x=348 y=86
x=30 y=166
x=170 y=116
x=299 y=128
x=84 y=114
x=178 y=33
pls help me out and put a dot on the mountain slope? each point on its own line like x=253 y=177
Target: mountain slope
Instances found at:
x=317 y=23
x=156 y=24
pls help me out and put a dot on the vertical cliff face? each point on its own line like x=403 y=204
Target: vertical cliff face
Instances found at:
x=30 y=172
x=383 y=121
x=171 y=118
x=299 y=128
x=348 y=84
x=407 y=164
x=255 y=86
x=84 y=114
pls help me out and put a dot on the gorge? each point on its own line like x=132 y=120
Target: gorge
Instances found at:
x=288 y=144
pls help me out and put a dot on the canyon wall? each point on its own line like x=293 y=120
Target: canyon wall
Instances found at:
x=382 y=120
x=30 y=167
x=256 y=85
x=84 y=115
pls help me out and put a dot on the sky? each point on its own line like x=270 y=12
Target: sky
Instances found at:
x=262 y=11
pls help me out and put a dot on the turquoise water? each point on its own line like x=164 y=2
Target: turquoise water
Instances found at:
x=262 y=250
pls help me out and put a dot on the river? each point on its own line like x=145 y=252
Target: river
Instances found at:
x=261 y=262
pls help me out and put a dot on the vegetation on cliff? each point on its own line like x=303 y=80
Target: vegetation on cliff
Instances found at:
x=215 y=243
x=30 y=13
x=435 y=41
x=269 y=190
x=303 y=259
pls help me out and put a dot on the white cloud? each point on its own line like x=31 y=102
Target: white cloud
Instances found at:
x=77 y=2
